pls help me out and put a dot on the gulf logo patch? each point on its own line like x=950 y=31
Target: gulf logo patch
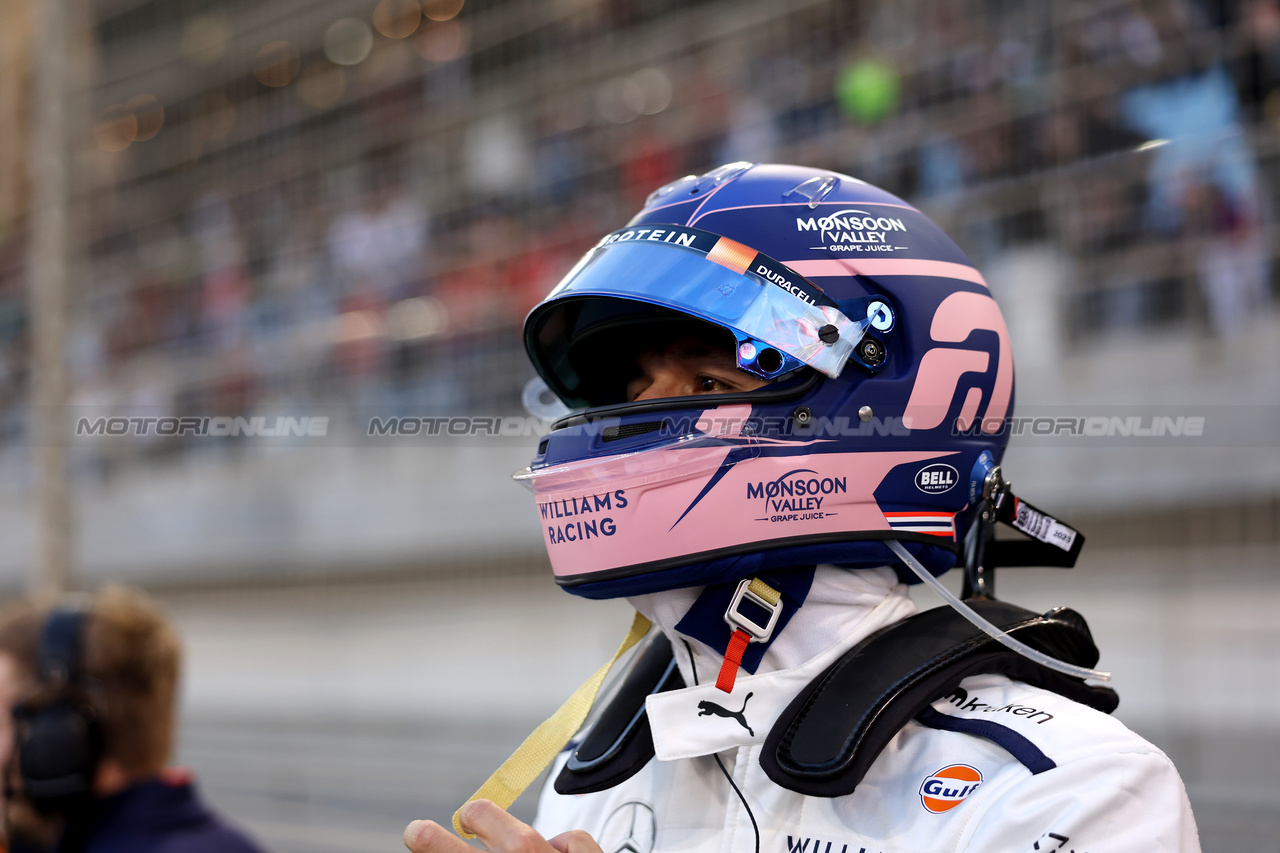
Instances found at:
x=948 y=787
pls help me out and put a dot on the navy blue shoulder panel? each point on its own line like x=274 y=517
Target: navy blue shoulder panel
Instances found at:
x=1002 y=736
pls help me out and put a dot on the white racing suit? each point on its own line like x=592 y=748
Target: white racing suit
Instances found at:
x=1050 y=774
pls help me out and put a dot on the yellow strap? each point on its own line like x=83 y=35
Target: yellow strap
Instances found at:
x=765 y=591
x=532 y=757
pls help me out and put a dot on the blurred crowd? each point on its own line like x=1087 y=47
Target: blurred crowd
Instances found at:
x=380 y=250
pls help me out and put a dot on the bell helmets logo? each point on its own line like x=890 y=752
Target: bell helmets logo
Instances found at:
x=936 y=478
x=948 y=787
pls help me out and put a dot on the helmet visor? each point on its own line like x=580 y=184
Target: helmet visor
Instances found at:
x=703 y=276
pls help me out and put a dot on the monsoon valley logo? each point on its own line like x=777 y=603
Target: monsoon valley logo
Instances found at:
x=797 y=495
x=853 y=227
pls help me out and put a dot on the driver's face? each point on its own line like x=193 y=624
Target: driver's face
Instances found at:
x=686 y=367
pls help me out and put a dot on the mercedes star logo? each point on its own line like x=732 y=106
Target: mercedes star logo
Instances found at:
x=630 y=829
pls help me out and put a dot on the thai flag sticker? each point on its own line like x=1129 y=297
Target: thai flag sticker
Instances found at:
x=948 y=787
x=933 y=523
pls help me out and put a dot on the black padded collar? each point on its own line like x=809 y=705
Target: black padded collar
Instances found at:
x=620 y=742
x=834 y=730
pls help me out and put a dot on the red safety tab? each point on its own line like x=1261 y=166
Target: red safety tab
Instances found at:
x=732 y=660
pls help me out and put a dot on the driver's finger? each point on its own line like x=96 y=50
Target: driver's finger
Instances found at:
x=427 y=836
x=499 y=831
x=576 y=841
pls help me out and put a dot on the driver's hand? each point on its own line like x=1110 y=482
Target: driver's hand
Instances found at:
x=498 y=830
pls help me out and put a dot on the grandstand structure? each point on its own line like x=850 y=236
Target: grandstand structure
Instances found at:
x=246 y=156
x=343 y=209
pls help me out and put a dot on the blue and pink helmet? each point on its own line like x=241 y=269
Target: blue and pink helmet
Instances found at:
x=891 y=374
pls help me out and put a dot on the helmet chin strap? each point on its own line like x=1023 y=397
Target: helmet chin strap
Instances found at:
x=746 y=628
x=742 y=618
x=991 y=630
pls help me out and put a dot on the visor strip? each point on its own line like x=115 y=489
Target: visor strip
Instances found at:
x=732 y=255
x=729 y=254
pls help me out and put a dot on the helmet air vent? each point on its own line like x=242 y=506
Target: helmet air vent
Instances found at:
x=815 y=189
x=615 y=433
x=727 y=172
x=693 y=184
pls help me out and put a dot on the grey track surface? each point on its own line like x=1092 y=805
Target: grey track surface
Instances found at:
x=331 y=787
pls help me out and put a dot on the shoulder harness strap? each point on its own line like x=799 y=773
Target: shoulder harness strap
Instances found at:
x=834 y=730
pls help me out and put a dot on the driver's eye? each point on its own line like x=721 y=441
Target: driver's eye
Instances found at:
x=709 y=384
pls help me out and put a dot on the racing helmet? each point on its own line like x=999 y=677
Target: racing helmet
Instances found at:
x=889 y=375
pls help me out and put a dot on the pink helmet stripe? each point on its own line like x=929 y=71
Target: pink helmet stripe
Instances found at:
x=936 y=383
x=588 y=530
x=874 y=267
x=958 y=316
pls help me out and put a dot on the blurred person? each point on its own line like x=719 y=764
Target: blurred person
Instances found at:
x=1203 y=181
x=380 y=247
x=1257 y=71
x=93 y=690
x=1232 y=264
x=1196 y=117
x=226 y=286
x=786 y=395
x=560 y=159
